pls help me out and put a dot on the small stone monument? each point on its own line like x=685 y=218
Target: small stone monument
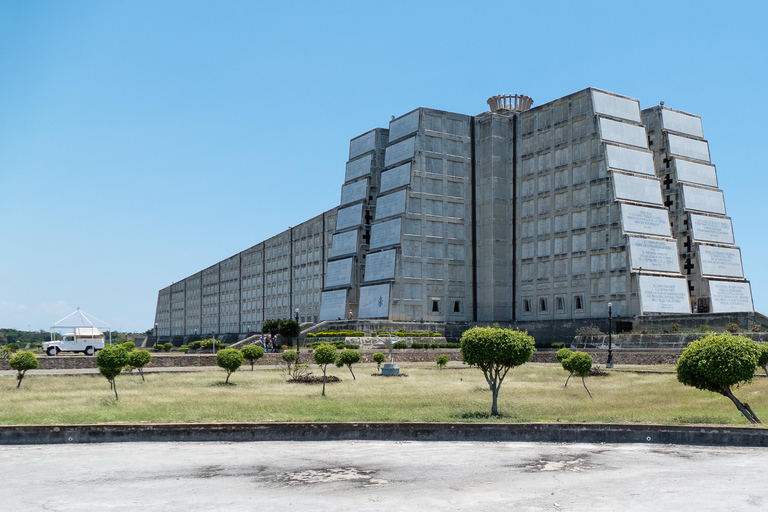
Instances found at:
x=390 y=368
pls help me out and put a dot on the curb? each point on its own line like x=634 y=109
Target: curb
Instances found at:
x=376 y=431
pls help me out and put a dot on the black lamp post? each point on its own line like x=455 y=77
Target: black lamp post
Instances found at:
x=156 y=336
x=297 y=334
x=609 y=363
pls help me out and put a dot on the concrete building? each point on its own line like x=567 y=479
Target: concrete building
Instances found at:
x=518 y=215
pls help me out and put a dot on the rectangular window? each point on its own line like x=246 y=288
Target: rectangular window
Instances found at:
x=543 y=305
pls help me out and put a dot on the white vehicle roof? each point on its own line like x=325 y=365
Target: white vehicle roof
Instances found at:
x=91 y=332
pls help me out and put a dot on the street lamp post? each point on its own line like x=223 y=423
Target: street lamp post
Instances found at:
x=297 y=334
x=156 y=337
x=609 y=363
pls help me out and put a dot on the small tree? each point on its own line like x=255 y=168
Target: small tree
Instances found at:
x=348 y=357
x=230 y=359
x=495 y=351
x=251 y=353
x=717 y=362
x=128 y=345
x=111 y=361
x=288 y=330
x=21 y=362
x=762 y=359
x=442 y=360
x=580 y=363
x=378 y=358
x=272 y=326
x=324 y=354
x=563 y=355
x=13 y=347
x=139 y=359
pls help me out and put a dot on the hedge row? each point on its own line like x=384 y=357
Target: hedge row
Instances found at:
x=339 y=334
x=401 y=344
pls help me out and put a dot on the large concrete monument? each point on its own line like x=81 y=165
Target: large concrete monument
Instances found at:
x=518 y=215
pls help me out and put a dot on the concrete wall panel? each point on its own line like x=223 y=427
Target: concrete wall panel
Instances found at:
x=333 y=305
x=633 y=188
x=616 y=106
x=357 y=168
x=350 y=216
x=380 y=265
x=719 y=261
x=339 y=272
x=374 y=301
x=623 y=133
x=397 y=177
x=650 y=254
x=385 y=233
x=691 y=148
x=649 y=221
x=390 y=204
x=404 y=125
x=627 y=159
x=354 y=192
x=703 y=200
x=694 y=172
x=730 y=297
x=401 y=151
x=664 y=294
x=362 y=144
x=344 y=243
x=682 y=123
x=711 y=229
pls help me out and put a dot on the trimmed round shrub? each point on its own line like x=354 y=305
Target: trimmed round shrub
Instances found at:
x=111 y=361
x=495 y=351
x=324 y=354
x=21 y=362
x=580 y=363
x=762 y=359
x=13 y=347
x=230 y=359
x=251 y=353
x=562 y=355
x=717 y=362
x=378 y=358
x=128 y=345
x=183 y=348
x=348 y=357
x=139 y=359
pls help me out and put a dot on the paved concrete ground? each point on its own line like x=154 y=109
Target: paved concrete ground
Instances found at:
x=343 y=475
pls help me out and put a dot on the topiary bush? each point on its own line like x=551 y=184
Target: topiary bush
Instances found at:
x=718 y=362
x=580 y=363
x=348 y=357
x=230 y=359
x=139 y=359
x=563 y=356
x=441 y=360
x=13 y=347
x=21 y=362
x=762 y=359
x=324 y=354
x=111 y=361
x=128 y=345
x=251 y=353
x=378 y=358
x=183 y=348
x=168 y=347
x=495 y=351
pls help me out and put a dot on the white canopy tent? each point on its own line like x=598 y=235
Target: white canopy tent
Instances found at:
x=85 y=321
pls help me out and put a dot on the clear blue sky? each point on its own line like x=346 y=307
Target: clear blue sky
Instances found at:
x=143 y=141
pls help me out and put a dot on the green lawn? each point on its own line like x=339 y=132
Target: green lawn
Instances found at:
x=533 y=392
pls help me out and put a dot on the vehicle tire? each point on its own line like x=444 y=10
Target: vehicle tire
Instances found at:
x=89 y=351
x=51 y=351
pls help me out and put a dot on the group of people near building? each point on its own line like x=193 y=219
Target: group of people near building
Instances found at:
x=268 y=341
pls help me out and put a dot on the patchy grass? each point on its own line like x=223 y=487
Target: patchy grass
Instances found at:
x=533 y=392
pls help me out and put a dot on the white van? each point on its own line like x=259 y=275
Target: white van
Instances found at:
x=85 y=339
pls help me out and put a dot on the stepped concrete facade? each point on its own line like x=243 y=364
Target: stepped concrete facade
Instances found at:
x=527 y=216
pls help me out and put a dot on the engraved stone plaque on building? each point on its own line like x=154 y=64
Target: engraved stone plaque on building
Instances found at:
x=681 y=122
x=615 y=106
x=350 y=216
x=344 y=243
x=694 y=172
x=380 y=265
x=339 y=273
x=374 y=301
x=357 y=168
x=623 y=133
x=703 y=200
x=385 y=233
x=648 y=221
x=719 y=261
x=396 y=177
x=401 y=151
x=354 y=192
x=730 y=297
x=627 y=159
x=664 y=294
x=634 y=188
x=362 y=144
x=691 y=148
x=333 y=305
x=653 y=254
x=403 y=126
x=711 y=229
x=390 y=204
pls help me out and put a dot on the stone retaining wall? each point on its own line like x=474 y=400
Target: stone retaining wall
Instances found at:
x=161 y=360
